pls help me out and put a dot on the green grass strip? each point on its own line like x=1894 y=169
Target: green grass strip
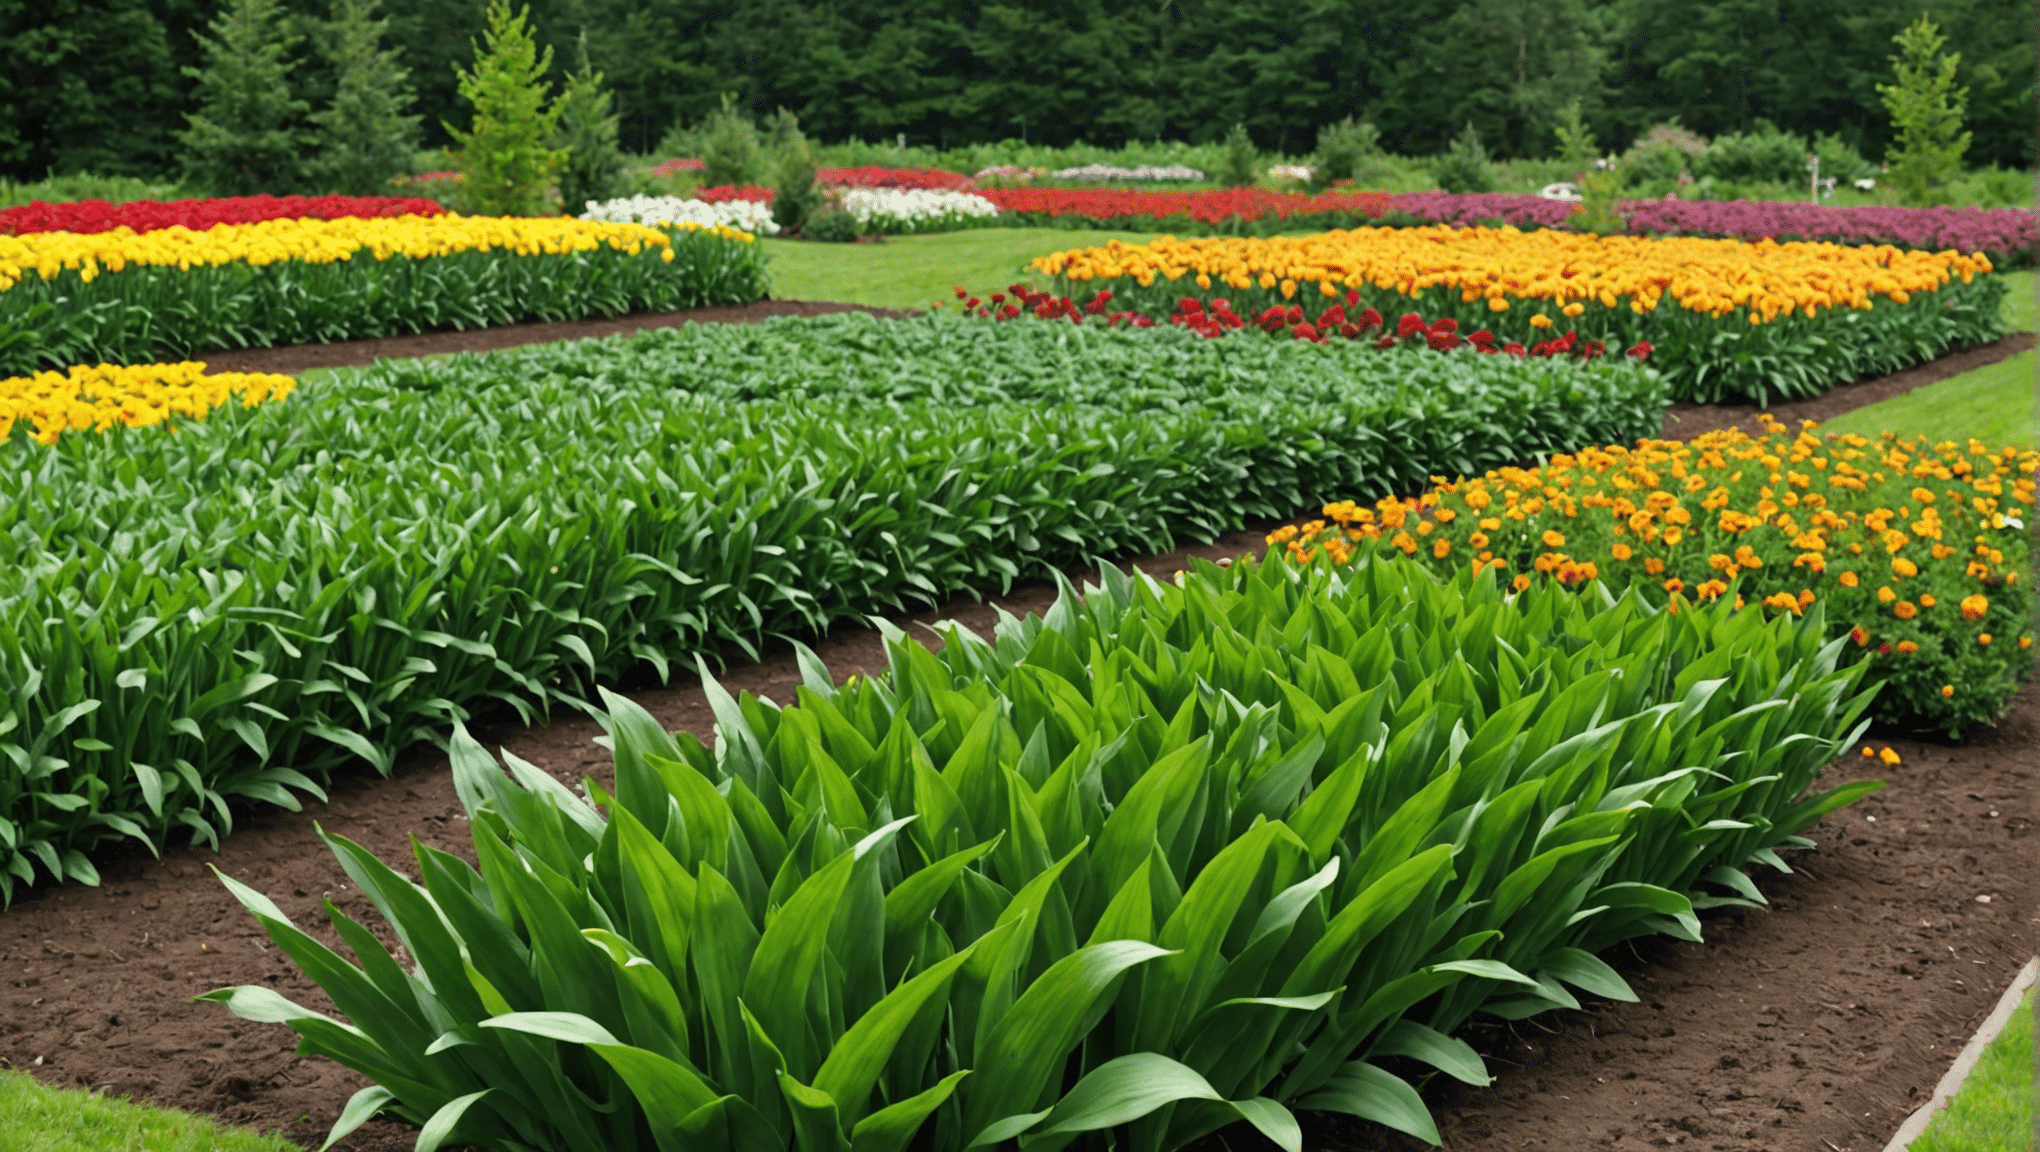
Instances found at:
x=38 y=1118
x=916 y=271
x=1993 y=1111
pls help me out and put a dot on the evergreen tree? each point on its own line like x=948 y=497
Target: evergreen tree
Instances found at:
x=247 y=136
x=365 y=135
x=1926 y=114
x=796 y=198
x=729 y=146
x=588 y=135
x=1240 y=163
x=506 y=167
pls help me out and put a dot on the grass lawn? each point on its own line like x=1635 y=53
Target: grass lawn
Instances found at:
x=34 y=1118
x=916 y=271
x=1993 y=1112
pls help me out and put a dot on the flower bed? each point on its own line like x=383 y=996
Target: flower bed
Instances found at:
x=423 y=537
x=87 y=216
x=98 y=397
x=121 y=297
x=886 y=211
x=1160 y=860
x=1916 y=554
x=745 y=215
x=1725 y=318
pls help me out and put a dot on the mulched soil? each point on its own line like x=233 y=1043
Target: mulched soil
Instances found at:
x=1816 y=1025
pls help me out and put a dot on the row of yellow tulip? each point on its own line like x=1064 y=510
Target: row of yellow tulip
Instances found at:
x=1916 y=551
x=102 y=396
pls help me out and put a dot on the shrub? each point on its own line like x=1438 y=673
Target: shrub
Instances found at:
x=1840 y=160
x=1926 y=115
x=1240 y=164
x=795 y=197
x=729 y=147
x=506 y=167
x=248 y=134
x=1464 y=166
x=365 y=136
x=1763 y=155
x=1577 y=148
x=1340 y=149
x=587 y=134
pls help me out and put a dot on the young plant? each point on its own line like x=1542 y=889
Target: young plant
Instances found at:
x=587 y=134
x=247 y=136
x=729 y=147
x=796 y=197
x=506 y=166
x=365 y=136
x=1464 y=167
x=1926 y=114
x=1340 y=149
x=1576 y=144
x=1240 y=164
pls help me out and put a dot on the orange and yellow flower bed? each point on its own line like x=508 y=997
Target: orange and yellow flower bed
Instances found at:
x=1726 y=316
x=103 y=396
x=1915 y=552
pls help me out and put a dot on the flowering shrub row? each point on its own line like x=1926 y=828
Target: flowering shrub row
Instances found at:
x=122 y=297
x=746 y=215
x=154 y=215
x=1916 y=552
x=1730 y=318
x=98 y=397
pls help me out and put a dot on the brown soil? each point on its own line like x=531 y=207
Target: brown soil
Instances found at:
x=357 y=353
x=1818 y=1024
x=1685 y=421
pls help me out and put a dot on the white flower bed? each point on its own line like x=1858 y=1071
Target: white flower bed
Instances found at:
x=748 y=215
x=914 y=210
x=1291 y=171
x=1114 y=172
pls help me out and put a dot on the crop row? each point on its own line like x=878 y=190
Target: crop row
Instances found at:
x=1163 y=859
x=70 y=298
x=232 y=609
x=1724 y=318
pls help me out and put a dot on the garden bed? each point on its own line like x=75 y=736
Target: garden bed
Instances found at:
x=1828 y=1022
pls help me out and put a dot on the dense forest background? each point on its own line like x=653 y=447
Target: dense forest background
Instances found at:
x=96 y=85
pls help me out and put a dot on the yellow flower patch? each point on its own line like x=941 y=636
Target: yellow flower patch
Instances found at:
x=96 y=398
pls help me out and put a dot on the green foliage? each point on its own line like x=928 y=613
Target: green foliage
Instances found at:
x=1239 y=166
x=1994 y=1106
x=1596 y=213
x=1659 y=157
x=2004 y=188
x=117 y=318
x=1763 y=155
x=365 y=136
x=796 y=197
x=247 y=135
x=1926 y=115
x=1165 y=857
x=1577 y=147
x=88 y=186
x=594 y=169
x=1841 y=161
x=506 y=166
x=1464 y=166
x=729 y=147
x=601 y=508
x=1340 y=149
x=831 y=224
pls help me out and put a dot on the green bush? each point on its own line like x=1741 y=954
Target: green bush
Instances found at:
x=364 y=136
x=247 y=136
x=729 y=147
x=1841 y=161
x=1762 y=155
x=796 y=197
x=1464 y=166
x=594 y=170
x=1926 y=113
x=1162 y=859
x=1239 y=165
x=326 y=590
x=506 y=167
x=1340 y=149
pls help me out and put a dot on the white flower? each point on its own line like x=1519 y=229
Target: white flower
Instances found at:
x=1866 y=183
x=1292 y=171
x=1562 y=190
x=745 y=214
x=1114 y=172
x=913 y=209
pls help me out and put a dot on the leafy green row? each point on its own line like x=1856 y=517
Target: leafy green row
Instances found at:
x=232 y=609
x=145 y=313
x=1196 y=851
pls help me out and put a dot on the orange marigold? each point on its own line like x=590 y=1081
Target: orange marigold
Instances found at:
x=1905 y=610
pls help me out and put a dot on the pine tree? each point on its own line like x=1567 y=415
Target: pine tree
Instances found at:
x=505 y=165
x=1926 y=112
x=796 y=197
x=365 y=136
x=588 y=135
x=247 y=136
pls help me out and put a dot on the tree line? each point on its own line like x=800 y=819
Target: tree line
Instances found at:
x=102 y=86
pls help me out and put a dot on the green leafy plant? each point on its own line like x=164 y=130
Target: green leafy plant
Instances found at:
x=247 y=136
x=796 y=197
x=1926 y=115
x=506 y=167
x=604 y=508
x=1164 y=858
x=1577 y=147
x=1340 y=149
x=1596 y=211
x=1239 y=164
x=1763 y=155
x=1464 y=167
x=365 y=137
x=594 y=170
x=729 y=146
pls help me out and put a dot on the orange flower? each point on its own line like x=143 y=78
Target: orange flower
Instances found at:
x=1620 y=552
x=1848 y=579
x=1902 y=567
x=1885 y=595
x=1889 y=756
x=1440 y=549
x=1907 y=647
x=1673 y=535
x=1675 y=585
x=1928 y=601
x=1947 y=690
x=1860 y=635
x=1406 y=542
x=1553 y=538
x=1653 y=565
x=1974 y=607
x=1521 y=581
x=1983 y=638
x=2025 y=642
x=1905 y=610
